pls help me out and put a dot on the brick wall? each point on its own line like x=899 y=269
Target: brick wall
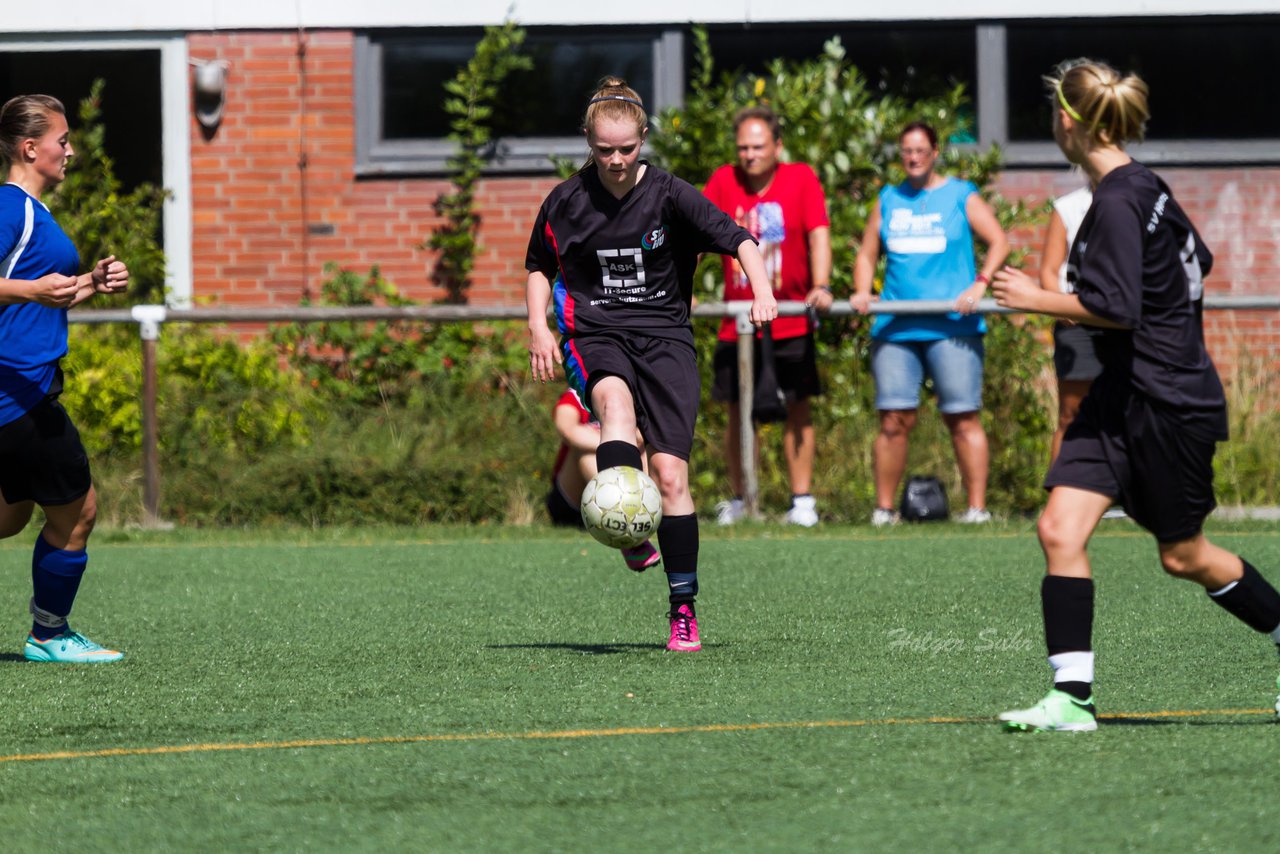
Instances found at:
x=253 y=244
x=259 y=214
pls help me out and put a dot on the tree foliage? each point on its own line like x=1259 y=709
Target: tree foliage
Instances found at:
x=847 y=129
x=470 y=105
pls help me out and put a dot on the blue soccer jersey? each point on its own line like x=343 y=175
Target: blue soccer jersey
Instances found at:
x=33 y=337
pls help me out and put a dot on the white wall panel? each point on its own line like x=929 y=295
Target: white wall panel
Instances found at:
x=203 y=15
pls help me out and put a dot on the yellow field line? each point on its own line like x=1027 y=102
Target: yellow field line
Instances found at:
x=568 y=733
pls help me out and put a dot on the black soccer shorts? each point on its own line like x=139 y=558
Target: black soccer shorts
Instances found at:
x=795 y=365
x=1160 y=470
x=663 y=377
x=42 y=458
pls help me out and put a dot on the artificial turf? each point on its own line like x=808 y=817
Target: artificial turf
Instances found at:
x=488 y=689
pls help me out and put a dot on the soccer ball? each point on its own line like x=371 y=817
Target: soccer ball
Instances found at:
x=621 y=507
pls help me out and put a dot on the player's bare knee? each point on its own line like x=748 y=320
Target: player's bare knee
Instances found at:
x=672 y=481
x=1181 y=562
x=1058 y=535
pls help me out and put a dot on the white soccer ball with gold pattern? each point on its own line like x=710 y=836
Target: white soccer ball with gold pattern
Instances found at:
x=621 y=507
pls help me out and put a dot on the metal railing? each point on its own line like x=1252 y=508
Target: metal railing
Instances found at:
x=151 y=318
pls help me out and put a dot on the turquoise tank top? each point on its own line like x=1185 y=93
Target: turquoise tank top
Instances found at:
x=929 y=256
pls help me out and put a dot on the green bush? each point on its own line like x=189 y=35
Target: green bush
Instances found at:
x=221 y=405
x=480 y=455
x=408 y=422
x=1245 y=465
x=847 y=130
x=385 y=363
x=212 y=392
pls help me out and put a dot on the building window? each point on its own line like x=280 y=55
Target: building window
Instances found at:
x=900 y=59
x=130 y=100
x=402 y=125
x=1203 y=112
x=1208 y=96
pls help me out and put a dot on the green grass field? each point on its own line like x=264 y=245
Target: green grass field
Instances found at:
x=475 y=689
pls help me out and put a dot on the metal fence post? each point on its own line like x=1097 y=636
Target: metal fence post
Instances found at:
x=746 y=428
x=149 y=318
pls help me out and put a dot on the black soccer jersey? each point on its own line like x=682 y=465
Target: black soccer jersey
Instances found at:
x=1138 y=261
x=627 y=264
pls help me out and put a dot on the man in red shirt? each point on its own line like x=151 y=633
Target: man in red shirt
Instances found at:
x=784 y=208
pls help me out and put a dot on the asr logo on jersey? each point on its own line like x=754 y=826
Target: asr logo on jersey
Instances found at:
x=654 y=238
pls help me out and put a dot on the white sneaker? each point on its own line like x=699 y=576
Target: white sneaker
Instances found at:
x=729 y=512
x=974 y=516
x=803 y=512
x=880 y=517
x=1115 y=511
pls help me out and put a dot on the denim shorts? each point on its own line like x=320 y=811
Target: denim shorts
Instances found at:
x=954 y=365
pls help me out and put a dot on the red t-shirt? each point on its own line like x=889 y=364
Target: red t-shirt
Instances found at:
x=571 y=399
x=780 y=219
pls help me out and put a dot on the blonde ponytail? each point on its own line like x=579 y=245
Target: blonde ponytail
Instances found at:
x=1112 y=107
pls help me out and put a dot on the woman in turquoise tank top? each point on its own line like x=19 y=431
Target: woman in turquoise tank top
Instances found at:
x=926 y=226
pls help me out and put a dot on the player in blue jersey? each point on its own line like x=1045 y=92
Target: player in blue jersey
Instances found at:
x=620 y=240
x=41 y=458
x=1147 y=428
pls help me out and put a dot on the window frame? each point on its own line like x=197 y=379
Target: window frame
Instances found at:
x=530 y=155
x=992 y=102
x=175 y=136
x=377 y=156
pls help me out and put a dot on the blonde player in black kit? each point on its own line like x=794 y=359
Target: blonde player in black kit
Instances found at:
x=1146 y=431
x=620 y=241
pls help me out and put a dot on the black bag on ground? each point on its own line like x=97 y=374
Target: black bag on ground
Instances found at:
x=923 y=500
x=768 y=403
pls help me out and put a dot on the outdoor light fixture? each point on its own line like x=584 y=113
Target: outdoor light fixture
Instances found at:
x=210 y=88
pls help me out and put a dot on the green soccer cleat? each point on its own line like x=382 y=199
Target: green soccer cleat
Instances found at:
x=1057 y=712
x=68 y=648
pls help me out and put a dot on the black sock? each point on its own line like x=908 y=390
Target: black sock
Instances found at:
x=678 y=539
x=1068 y=613
x=1252 y=600
x=617 y=453
x=1080 y=690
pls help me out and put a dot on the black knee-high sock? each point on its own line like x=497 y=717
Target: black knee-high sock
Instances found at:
x=1067 y=604
x=1252 y=600
x=678 y=538
x=617 y=453
x=1068 y=613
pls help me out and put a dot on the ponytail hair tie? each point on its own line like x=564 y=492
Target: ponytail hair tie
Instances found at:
x=624 y=98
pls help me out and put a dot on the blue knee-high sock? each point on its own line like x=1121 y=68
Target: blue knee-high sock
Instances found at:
x=55 y=578
x=678 y=537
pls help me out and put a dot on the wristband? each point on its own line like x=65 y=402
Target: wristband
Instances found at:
x=982 y=277
x=826 y=288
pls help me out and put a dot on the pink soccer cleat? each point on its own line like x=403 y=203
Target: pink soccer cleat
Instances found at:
x=684 y=630
x=641 y=557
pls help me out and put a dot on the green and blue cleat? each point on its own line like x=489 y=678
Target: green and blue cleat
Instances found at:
x=1057 y=712
x=70 y=647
